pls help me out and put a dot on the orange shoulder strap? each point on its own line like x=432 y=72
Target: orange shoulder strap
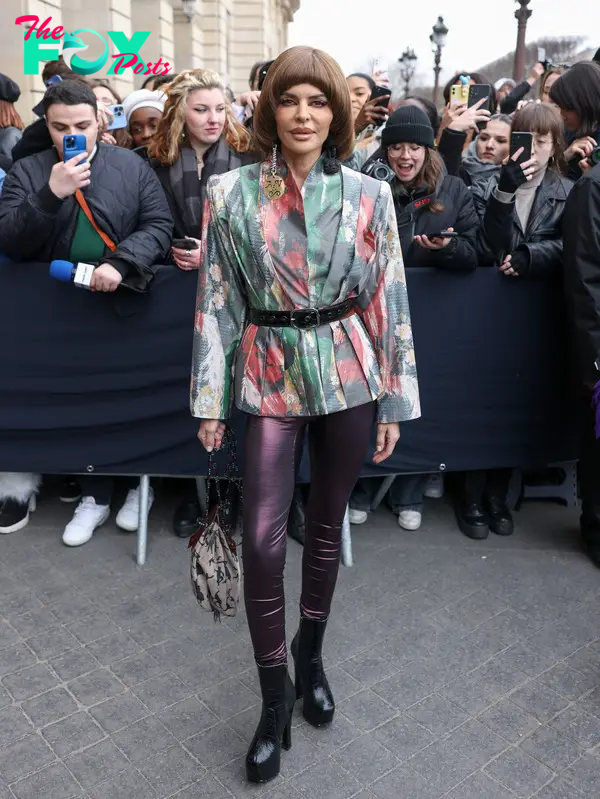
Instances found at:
x=86 y=210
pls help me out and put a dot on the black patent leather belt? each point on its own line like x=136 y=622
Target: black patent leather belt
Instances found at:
x=301 y=318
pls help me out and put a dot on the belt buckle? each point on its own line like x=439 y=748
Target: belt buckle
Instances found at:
x=311 y=316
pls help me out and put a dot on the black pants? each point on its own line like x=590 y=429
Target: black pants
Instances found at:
x=486 y=483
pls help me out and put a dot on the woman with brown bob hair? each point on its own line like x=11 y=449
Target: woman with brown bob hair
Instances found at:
x=302 y=317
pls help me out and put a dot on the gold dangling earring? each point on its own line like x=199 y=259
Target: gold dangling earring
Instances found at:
x=274 y=184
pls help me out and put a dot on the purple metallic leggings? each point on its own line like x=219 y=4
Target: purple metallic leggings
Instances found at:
x=338 y=444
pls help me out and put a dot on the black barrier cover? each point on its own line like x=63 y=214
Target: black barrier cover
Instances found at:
x=100 y=382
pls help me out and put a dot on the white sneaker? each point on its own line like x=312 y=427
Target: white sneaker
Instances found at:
x=410 y=519
x=434 y=487
x=87 y=517
x=128 y=518
x=358 y=516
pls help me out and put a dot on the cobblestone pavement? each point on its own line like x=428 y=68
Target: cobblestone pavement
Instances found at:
x=468 y=670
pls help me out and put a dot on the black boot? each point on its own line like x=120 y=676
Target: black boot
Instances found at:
x=311 y=682
x=472 y=521
x=499 y=516
x=275 y=727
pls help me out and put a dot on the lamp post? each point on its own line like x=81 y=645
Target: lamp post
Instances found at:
x=438 y=40
x=407 y=61
x=522 y=14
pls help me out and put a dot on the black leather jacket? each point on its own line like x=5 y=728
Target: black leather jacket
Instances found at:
x=501 y=232
x=582 y=270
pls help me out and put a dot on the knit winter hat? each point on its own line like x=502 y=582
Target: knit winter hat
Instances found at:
x=9 y=90
x=408 y=124
x=143 y=98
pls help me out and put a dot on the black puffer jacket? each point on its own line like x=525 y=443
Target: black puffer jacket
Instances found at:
x=582 y=270
x=124 y=196
x=501 y=232
x=414 y=215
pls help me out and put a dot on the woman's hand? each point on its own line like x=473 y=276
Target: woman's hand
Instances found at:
x=536 y=72
x=506 y=267
x=249 y=100
x=188 y=259
x=211 y=434
x=463 y=118
x=108 y=138
x=513 y=174
x=387 y=436
x=371 y=114
x=580 y=148
x=434 y=243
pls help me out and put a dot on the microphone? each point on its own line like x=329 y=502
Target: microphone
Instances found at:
x=80 y=274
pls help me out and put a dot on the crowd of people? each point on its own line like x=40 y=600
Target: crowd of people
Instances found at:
x=244 y=190
x=448 y=171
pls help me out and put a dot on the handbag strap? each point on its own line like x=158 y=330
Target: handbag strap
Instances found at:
x=232 y=472
x=86 y=210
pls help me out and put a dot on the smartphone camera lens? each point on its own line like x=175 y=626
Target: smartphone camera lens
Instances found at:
x=70 y=141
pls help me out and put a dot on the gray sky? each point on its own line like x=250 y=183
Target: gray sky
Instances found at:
x=356 y=31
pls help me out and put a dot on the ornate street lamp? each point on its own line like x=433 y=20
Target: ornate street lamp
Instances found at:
x=438 y=40
x=408 y=61
x=522 y=14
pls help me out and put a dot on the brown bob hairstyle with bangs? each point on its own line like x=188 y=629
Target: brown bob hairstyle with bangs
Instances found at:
x=544 y=119
x=293 y=67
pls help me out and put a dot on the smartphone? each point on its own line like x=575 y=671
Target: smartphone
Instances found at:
x=119 y=120
x=459 y=93
x=382 y=94
x=444 y=234
x=477 y=92
x=541 y=55
x=184 y=244
x=74 y=144
x=52 y=81
x=524 y=140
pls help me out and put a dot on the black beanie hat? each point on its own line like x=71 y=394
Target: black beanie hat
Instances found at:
x=9 y=90
x=408 y=124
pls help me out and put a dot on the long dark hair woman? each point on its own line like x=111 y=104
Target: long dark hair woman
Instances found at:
x=521 y=212
x=303 y=318
x=577 y=94
x=427 y=202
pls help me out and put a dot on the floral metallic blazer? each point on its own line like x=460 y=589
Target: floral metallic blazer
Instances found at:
x=311 y=248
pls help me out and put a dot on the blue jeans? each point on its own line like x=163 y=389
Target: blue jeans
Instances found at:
x=406 y=492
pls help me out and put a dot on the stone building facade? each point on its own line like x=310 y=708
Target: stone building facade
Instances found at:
x=225 y=35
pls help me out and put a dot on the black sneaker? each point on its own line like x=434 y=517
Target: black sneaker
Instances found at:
x=15 y=515
x=70 y=491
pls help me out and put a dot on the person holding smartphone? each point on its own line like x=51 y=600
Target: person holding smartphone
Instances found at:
x=55 y=207
x=437 y=225
x=521 y=212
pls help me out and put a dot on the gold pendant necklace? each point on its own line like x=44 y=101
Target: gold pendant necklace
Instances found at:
x=274 y=184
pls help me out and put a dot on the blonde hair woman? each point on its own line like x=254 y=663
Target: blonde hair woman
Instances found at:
x=198 y=136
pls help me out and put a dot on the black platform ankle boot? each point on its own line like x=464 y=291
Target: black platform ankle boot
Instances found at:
x=311 y=682
x=275 y=727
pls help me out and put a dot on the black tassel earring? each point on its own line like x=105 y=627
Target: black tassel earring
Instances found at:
x=331 y=165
